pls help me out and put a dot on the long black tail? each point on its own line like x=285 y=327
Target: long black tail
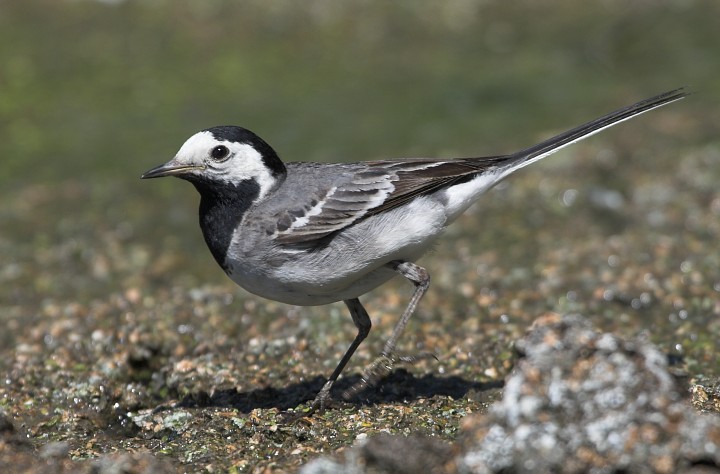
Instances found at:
x=529 y=155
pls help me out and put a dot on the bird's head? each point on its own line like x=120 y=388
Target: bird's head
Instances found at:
x=224 y=155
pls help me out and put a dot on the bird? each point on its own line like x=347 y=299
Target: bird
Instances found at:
x=307 y=234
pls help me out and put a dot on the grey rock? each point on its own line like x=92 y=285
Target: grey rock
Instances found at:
x=584 y=401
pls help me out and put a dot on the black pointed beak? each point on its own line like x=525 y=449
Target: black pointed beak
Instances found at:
x=171 y=168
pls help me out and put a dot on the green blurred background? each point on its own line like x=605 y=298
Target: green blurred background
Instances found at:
x=93 y=93
x=101 y=90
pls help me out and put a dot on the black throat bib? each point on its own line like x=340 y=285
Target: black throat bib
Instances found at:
x=222 y=207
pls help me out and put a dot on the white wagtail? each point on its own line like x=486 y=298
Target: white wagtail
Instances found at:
x=316 y=233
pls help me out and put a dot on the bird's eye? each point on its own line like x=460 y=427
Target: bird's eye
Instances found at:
x=219 y=153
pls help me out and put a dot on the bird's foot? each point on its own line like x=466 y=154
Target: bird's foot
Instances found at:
x=322 y=400
x=381 y=367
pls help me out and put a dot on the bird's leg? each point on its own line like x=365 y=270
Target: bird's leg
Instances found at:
x=383 y=364
x=363 y=324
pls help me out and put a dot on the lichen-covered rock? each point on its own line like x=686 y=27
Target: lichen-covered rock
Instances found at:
x=582 y=401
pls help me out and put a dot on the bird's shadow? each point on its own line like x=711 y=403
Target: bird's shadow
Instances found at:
x=398 y=386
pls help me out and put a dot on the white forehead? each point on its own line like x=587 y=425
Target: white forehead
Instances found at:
x=199 y=145
x=244 y=163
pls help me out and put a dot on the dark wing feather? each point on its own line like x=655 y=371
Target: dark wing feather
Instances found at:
x=424 y=176
x=374 y=188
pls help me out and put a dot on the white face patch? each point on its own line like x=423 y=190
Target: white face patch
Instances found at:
x=242 y=163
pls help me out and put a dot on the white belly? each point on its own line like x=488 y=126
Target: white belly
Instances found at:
x=304 y=293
